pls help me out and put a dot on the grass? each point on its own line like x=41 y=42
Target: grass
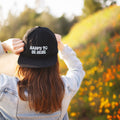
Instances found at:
x=93 y=25
x=98 y=97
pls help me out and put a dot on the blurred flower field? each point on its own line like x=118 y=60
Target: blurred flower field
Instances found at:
x=99 y=95
x=96 y=41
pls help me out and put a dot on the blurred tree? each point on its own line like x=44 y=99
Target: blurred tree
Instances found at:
x=90 y=7
x=45 y=19
x=63 y=24
x=16 y=26
x=27 y=17
x=7 y=30
x=106 y=3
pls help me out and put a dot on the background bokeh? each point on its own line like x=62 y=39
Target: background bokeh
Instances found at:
x=95 y=37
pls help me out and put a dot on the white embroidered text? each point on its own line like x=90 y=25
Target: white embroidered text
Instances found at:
x=38 y=49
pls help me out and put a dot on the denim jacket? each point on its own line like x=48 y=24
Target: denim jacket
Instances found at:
x=13 y=108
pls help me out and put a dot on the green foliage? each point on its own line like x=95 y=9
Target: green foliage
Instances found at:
x=16 y=26
x=102 y=117
x=90 y=7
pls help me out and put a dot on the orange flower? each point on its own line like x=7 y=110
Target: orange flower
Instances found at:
x=109 y=70
x=117 y=49
x=118 y=76
x=109 y=116
x=114 y=116
x=114 y=70
x=112 y=77
x=113 y=54
x=106 y=48
x=118 y=116
x=107 y=77
x=118 y=67
x=108 y=105
x=100 y=110
x=111 y=40
x=118 y=44
x=116 y=104
x=118 y=111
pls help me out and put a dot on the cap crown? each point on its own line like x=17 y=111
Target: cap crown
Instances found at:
x=40 y=42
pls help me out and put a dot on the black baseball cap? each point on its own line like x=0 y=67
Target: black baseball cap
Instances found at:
x=40 y=48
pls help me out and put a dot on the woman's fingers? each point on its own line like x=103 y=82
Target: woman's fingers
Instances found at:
x=58 y=37
x=14 y=45
x=18 y=45
x=60 y=44
x=17 y=42
x=18 y=51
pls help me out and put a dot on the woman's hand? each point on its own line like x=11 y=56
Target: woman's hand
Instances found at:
x=14 y=45
x=60 y=44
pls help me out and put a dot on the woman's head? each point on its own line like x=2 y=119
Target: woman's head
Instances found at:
x=40 y=48
x=38 y=71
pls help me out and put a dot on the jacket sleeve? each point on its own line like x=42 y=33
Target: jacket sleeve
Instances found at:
x=3 y=78
x=75 y=73
x=1 y=49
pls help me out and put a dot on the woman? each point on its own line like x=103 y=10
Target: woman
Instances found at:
x=38 y=92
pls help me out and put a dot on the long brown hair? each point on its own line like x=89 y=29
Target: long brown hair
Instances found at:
x=44 y=87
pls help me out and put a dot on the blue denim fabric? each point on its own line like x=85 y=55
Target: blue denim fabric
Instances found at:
x=65 y=117
x=1 y=117
x=13 y=108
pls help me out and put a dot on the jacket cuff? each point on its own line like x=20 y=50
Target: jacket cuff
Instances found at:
x=66 y=52
x=1 y=50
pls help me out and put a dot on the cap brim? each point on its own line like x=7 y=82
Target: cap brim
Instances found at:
x=34 y=62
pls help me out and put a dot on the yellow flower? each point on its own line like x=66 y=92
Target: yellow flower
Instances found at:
x=107 y=105
x=109 y=116
x=100 y=110
x=107 y=111
x=92 y=88
x=95 y=95
x=114 y=96
x=110 y=84
x=113 y=105
x=92 y=103
x=100 y=62
x=103 y=102
x=69 y=108
x=73 y=114
x=86 y=89
x=107 y=53
x=90 y=94
x=101 y=83
x=102 y=99
x=100 y=88
x=107 y=92
x=90 y=98
x=106 y=84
